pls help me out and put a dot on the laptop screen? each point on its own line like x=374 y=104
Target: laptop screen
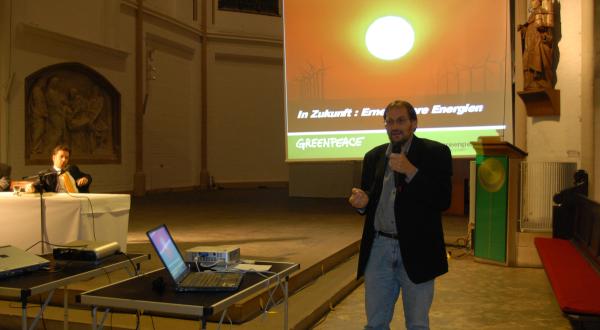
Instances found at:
x=167 y=251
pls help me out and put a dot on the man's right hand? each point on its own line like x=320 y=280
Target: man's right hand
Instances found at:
x=359 y=199
x=81 y=182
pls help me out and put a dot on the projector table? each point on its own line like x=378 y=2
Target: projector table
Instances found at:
x=137 y=295
x=61 y=274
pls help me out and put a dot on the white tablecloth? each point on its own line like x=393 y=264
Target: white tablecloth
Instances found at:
x=101 y=217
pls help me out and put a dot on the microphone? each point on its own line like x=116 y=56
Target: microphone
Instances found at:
x=47 y=172
x=65 y=169
x=399 y=178
x=40 y=174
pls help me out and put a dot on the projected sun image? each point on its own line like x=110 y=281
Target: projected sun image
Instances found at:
x=389 y=38
x=345 y=60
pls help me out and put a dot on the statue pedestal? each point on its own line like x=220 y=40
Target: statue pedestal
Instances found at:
x=541 y=102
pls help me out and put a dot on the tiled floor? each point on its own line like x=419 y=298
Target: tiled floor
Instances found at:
x=472 y=296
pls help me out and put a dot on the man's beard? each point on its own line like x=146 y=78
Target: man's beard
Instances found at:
x=403 y=138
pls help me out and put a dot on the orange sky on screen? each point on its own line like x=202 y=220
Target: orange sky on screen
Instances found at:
x=453 y=39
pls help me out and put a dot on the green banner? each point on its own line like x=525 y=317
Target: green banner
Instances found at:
x=491 y=207
x=354 y=144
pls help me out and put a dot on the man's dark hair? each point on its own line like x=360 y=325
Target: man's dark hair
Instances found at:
x=61 y=147
x=412 y=114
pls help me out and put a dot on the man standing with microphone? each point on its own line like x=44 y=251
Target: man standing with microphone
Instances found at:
x=406 y=184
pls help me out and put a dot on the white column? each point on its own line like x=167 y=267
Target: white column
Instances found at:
x=596 y=59
x=5 y=76
x=587 y=91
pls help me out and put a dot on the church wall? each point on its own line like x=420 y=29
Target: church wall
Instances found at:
x=245 y=60
x=558 y=138
x=171 y=121
x=246 y=125
x=5 y=46
x=570 y=137
x=40 y=39
x=245 y=89
x=596 y=101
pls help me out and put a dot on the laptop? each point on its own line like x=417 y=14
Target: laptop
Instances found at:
x=186 y=280
x=14 y=261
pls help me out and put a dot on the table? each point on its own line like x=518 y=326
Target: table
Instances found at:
x=136 y=294
x=61 y=274
x=68 y=217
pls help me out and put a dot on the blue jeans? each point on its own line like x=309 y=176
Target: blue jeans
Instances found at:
x=384 y=277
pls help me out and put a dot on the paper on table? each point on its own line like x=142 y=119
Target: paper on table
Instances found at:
x=253 y=267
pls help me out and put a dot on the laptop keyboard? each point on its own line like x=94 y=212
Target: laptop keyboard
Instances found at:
x=202 y=280
x=210 y=280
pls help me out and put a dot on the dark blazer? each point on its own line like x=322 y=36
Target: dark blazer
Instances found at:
x=49 y=182
x=417 y=208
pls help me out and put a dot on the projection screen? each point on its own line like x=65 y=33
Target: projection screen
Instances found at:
x=345 y=60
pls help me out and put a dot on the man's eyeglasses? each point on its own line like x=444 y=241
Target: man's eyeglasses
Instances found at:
x=399 y=121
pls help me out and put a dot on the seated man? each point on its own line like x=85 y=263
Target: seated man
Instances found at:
x=4 y=177
x=63 y=177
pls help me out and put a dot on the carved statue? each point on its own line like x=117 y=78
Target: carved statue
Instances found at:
x=58 y=110
x=537 y=39
x=72 y=104
x=39 y=116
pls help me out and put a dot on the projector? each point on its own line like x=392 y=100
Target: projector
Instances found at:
x=210 y=254
x=85 y=250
